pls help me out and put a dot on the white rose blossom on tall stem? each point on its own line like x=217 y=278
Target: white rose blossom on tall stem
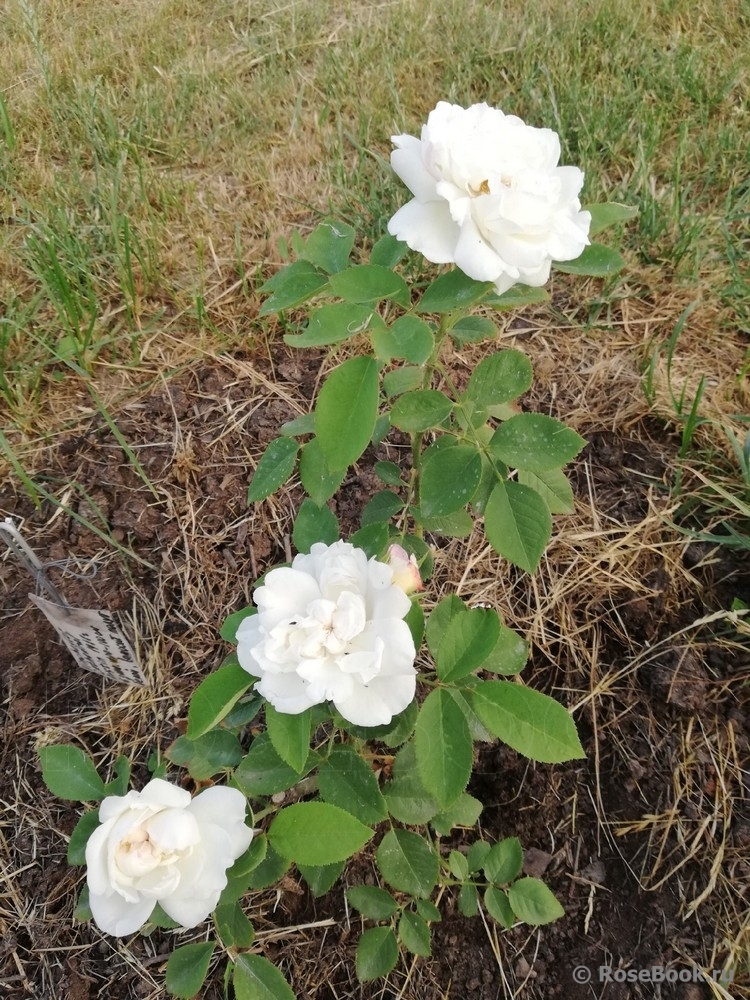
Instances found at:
x=331 y=627
x=161 y=846
x=489 y=196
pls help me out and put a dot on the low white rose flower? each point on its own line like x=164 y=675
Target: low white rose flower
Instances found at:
x=162 y=846
x=489 y=196
x=331 y=627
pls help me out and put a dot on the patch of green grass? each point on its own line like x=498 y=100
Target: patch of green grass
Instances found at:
x=138 y=136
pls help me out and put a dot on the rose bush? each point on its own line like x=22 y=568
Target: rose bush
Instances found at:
x=489 y=196
x=162 y=846
x=331 y=627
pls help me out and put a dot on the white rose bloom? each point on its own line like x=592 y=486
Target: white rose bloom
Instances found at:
x=162 y=846
x=489 y=196
x=331 y=627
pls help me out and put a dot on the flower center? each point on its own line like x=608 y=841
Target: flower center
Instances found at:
x=138 y=855
x=484 y=188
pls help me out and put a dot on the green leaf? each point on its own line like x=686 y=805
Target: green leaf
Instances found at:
x=371 y=901
x=187 y=969
x=377 y=954
x=317 y=479
x=317 y=833
x=470 y=415
x=161 y=919
x=263 y=772
x=443 y=613
x=274 y=468
x=500 y=378
x=69 y=773
x=535 y=442
x=345 y=780
x=373 y=539
x=509 y=655
x=269 y=871
x=331 y=324
x=382 y=428
x=452 y=291
x=518 y=524
x=82 y=911
x=596 y=261
x=449 y=479
x=388 y=473
x=409 y=338
x=458 y=865
x=120 y=783
x=314 y=524
x=532 y=723
x=477 y=854
x=479 y=732
x=518 y=297
x=370 y=283
x=321 y=878
x=420 y=410
x=233 y=927
x=299 y=426
x=468 y=640
x=533 y=902
x=504 y=861
x=473 y=328
x=428 y=911
x=401 y=380
x=382 y=507
x=609 y=214
x=468 y=900
x=243 y=712
x=292 y=285
x=83 y=829
x=228 y=630
x=328 y=246
x=290 y=736
x=498 y=907
x=214 y=697
x=465 y=811
x=407 y=863
x=346 y=411
x=443 y=747
x=388 y=251
x=414 y=934
x=252 y=857
x=553 y=487
x=242 y=871
x=414 y=618
x=407 y=800
x=217 y=750
x=255 y=978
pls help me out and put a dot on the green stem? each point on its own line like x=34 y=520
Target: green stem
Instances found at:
x=431 y=365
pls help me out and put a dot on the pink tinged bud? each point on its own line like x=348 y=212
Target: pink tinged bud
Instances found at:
x=405 y=569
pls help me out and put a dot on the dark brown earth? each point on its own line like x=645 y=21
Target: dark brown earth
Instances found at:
x=669 y=726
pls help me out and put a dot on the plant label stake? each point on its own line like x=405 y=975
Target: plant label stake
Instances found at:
x=94 y=638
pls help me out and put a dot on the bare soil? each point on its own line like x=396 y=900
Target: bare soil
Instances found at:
x=657 y=817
